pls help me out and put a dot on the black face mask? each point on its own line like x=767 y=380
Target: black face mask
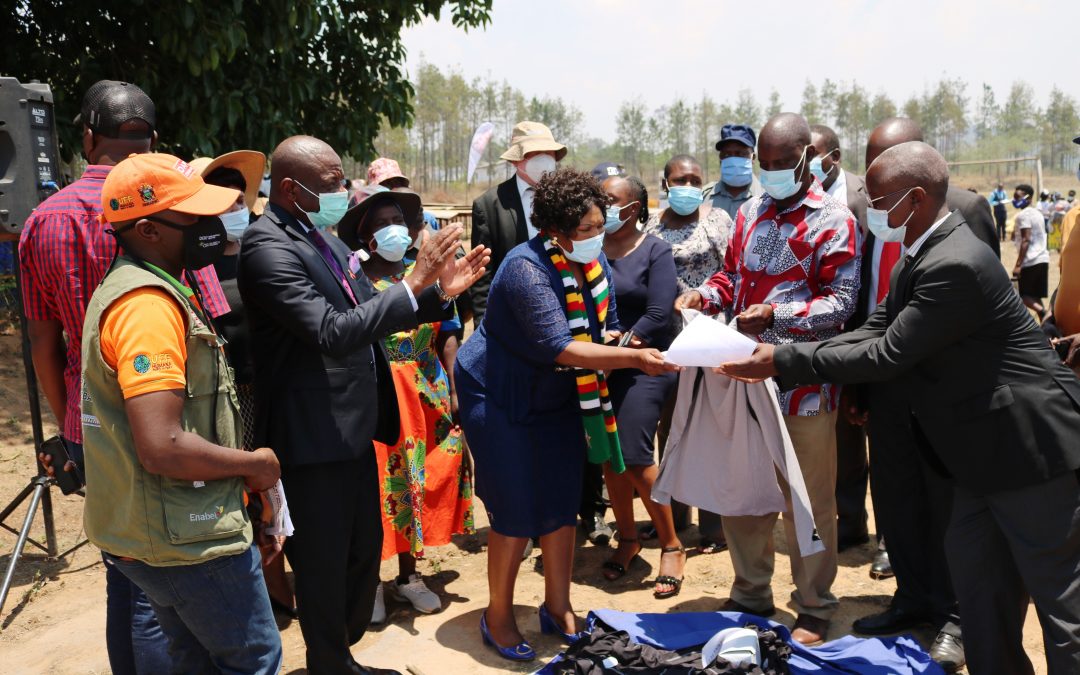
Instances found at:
x=204 y=241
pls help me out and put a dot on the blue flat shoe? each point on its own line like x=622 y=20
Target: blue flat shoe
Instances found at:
x=522 y=651
x=548 y=626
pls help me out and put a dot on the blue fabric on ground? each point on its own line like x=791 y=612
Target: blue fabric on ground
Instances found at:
x=847 y=655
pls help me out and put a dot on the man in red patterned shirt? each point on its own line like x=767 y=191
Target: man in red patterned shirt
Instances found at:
x=64 y=252
x=791 y=274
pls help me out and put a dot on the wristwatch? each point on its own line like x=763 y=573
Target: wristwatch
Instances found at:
x=446 y=299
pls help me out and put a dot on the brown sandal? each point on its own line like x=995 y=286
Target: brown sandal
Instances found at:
x=667 y=579
x=618 y=570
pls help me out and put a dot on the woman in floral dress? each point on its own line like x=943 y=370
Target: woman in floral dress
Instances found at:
x=425 y=489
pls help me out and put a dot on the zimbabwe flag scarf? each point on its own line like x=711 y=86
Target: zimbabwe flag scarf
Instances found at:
x=597 y=415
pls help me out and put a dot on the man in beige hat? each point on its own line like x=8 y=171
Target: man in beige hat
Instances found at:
x=501 y=217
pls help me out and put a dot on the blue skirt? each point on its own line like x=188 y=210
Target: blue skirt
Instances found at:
x=528 y=475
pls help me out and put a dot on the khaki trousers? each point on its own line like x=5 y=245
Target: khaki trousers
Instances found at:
x=750 y=538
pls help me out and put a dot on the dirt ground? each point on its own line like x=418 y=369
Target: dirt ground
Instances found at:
x=54 y=619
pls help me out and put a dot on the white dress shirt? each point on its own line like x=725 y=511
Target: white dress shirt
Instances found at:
x=527 y=193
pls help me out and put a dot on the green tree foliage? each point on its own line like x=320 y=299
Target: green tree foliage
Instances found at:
x=234 y=73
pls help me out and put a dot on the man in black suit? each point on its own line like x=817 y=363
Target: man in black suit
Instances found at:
x=852 y=466
x=990 y=404
x=323 y=388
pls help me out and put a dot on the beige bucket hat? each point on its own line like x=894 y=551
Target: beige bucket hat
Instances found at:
x=250 y=164
x=532 y=137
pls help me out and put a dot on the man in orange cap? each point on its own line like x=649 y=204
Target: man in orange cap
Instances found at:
x=161 y=426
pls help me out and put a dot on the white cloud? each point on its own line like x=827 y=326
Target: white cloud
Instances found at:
x=598 y=53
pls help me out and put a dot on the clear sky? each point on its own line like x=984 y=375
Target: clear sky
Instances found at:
x=598 y=53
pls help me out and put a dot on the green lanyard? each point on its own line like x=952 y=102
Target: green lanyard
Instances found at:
x=185 y=291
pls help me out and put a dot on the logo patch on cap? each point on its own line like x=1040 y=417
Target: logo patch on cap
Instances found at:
x=184 y=168
x=120 y=203
x=146 y=191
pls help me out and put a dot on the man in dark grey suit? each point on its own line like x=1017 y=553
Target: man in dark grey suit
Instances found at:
x=323 y=388
x=852 y=466
x=991 y=405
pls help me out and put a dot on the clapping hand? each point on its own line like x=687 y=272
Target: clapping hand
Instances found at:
x=459 y=274
x=756 y=368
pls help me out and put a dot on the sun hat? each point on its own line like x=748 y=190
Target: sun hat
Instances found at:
x=250 y=164
x=384 y=169
x=348 y=229
x=532 y=137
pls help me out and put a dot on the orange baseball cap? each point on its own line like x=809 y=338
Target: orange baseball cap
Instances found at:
x=145 y=184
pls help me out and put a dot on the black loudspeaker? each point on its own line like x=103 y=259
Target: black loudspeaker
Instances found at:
x=29 y=159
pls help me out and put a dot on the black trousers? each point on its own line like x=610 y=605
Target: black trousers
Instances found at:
x=1000 y=216
x=912 y=502
x=335 y=556
x=1004 y=548
x=592 y=493
x=852 y=479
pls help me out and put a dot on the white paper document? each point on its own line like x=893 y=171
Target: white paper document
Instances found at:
x=707 y=343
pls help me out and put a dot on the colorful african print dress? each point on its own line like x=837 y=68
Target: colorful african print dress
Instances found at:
x=425 y=488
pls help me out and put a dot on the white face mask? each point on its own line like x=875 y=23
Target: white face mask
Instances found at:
x=235 y=223
x=877 y=221
x=537 y=165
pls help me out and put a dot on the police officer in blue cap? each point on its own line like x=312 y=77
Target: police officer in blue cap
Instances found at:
x=737 y=182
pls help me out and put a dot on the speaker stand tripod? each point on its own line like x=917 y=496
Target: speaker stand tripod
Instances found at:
x=38 y=490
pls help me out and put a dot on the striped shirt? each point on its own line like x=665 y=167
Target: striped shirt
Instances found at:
x=64 y=253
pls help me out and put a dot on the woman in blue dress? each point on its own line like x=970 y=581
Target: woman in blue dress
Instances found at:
x=533 y=398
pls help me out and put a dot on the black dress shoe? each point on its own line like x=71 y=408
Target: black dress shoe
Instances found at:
x=881 y=568
x=846 y=542
x=892 y=620
x=948 y=651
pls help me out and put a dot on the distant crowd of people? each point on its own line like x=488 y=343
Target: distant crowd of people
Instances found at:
x=176 y=318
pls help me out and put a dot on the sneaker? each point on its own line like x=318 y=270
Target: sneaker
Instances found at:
x=378 y=613
x=417 y=593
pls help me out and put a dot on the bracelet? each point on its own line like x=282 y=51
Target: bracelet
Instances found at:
x=447 y=299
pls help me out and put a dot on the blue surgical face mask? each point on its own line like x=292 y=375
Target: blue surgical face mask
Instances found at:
x=332 y=207
x=235 y=223
x=392 y=241
x=684 y=199
x=1021 y=203
x=736 y=171
x=612 y=221
x=586 y=250
x=781 y=184
x=819 y=172
x=877 y=220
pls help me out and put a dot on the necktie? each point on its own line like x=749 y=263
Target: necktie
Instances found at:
x=527 y=205
x=322 y=247
x=890 y=254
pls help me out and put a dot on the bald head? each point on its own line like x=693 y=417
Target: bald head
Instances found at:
x=786 y=128
x=892 y=131
x=303 y=167
x=784 y=144
x=912 y=163
x=909 y=182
